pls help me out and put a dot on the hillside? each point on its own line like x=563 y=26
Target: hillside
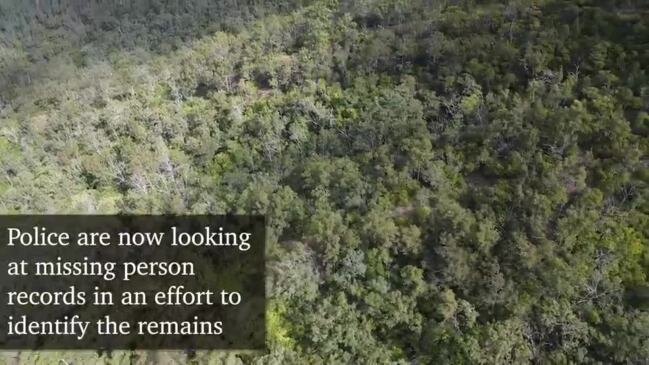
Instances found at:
x=456 y=182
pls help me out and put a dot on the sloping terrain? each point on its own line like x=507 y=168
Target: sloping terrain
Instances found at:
x=446 y=182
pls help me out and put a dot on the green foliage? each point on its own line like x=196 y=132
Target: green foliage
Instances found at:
x=460 y=182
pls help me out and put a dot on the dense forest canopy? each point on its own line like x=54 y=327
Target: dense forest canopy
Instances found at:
x=445 y=181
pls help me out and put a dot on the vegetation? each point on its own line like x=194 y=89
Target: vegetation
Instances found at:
x=459 y=181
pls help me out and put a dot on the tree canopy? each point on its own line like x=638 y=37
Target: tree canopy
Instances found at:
x=459 y=182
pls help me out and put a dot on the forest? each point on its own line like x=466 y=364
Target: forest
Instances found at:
x=444 y=181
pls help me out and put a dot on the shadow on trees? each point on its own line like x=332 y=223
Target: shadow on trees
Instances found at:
x=33 y=32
